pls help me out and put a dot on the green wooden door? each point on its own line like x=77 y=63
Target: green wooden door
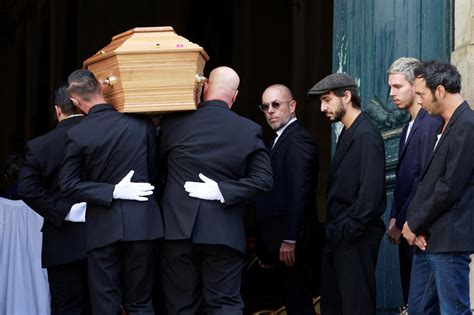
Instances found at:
x=368 y=36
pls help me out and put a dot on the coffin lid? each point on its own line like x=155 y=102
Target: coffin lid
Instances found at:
x=146 y=40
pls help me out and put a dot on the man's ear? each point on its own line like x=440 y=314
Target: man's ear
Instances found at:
x=75 y=102
x=58 y=110
x=347 y=97
x=235 y=96
x=440 y=91
x=292 y=106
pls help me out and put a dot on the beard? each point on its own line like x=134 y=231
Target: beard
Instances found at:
x=278 y=125
x=339 y=113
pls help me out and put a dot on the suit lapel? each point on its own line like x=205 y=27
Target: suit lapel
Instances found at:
x=345 y=141
x=283 y=136
x=415 y=126
x=457 y=113
x=403 y=145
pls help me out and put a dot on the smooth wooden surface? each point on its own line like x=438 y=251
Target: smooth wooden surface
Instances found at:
x=154 y=71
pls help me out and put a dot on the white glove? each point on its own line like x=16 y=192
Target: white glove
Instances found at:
x=132 y=191
x=209 y=190
x=77 y=212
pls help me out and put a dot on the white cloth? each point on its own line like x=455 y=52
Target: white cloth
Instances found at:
x=208 y=189
x=128 y=190
x=77 y=212
x=280 y=131
x=437 y=140
x=24 y=286
x=410 y=125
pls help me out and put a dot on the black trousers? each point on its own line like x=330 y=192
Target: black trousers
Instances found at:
x=121 y=275
x=201 y=278
x=296 y=282
x=405 y=255
x=348 y=277
x=69 y=288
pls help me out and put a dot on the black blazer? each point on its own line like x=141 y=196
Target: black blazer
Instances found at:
x=356 y=195
x=38 y=186
x=225 y=147
x=442 y=207
x=288 y=211
x=99 y=153
x=412 y=157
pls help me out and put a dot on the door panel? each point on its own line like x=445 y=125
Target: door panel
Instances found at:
x=368 y=36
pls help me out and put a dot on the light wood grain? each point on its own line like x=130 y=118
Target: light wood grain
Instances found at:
x=155 y=71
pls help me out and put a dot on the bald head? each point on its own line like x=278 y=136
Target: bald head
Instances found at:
x=278 y=106
x=283 y=90
x=222 y=85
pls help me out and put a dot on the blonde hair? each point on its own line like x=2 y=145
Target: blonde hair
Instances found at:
x=405 y=66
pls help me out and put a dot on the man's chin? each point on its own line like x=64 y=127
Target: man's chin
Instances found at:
x=275 y=127
x=401 y=106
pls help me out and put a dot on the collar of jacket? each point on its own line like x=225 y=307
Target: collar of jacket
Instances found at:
x=69 y=121
x=217 y=103
x=360 y=118
x=462 y=107
x=100 y=107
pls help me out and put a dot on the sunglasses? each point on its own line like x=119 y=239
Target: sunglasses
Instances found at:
x=275 y=105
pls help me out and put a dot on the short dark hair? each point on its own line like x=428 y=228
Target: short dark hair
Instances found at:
x=63 y=101
x=13 y=164
x=437 y=73
x=83 y=83
x=355 y=98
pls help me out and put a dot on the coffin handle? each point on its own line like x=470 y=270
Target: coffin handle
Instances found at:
x=200 y=79
x=110 y=81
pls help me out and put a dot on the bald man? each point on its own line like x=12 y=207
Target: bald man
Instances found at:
x=286 y=215
x=214 y=161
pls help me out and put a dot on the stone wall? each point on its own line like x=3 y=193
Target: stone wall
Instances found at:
x=463 y=54
x=463 y=58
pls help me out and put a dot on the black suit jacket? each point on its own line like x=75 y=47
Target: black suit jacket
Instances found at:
x=99 y=153
x=442 y=207
x=225 y=147
x=288 y=211
x=412 y=157
x=38 y=186
x=356 y=195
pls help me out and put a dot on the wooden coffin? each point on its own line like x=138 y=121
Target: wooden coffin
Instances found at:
x=150 y=70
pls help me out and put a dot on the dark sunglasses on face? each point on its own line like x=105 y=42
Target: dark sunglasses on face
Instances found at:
x=275 y=105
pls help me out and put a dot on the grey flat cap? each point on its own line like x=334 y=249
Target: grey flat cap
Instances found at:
x=330 y=83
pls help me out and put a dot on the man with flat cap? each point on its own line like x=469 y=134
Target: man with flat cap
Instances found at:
x=355 y=201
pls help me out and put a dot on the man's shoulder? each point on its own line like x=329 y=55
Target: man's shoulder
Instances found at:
x=367 y=129
x=300 y=134
x=467 y=115
x=247 y=122
x=51 y=136
x=429 y=121
x=219 y=114
x=140 y=120
x=178 y=118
